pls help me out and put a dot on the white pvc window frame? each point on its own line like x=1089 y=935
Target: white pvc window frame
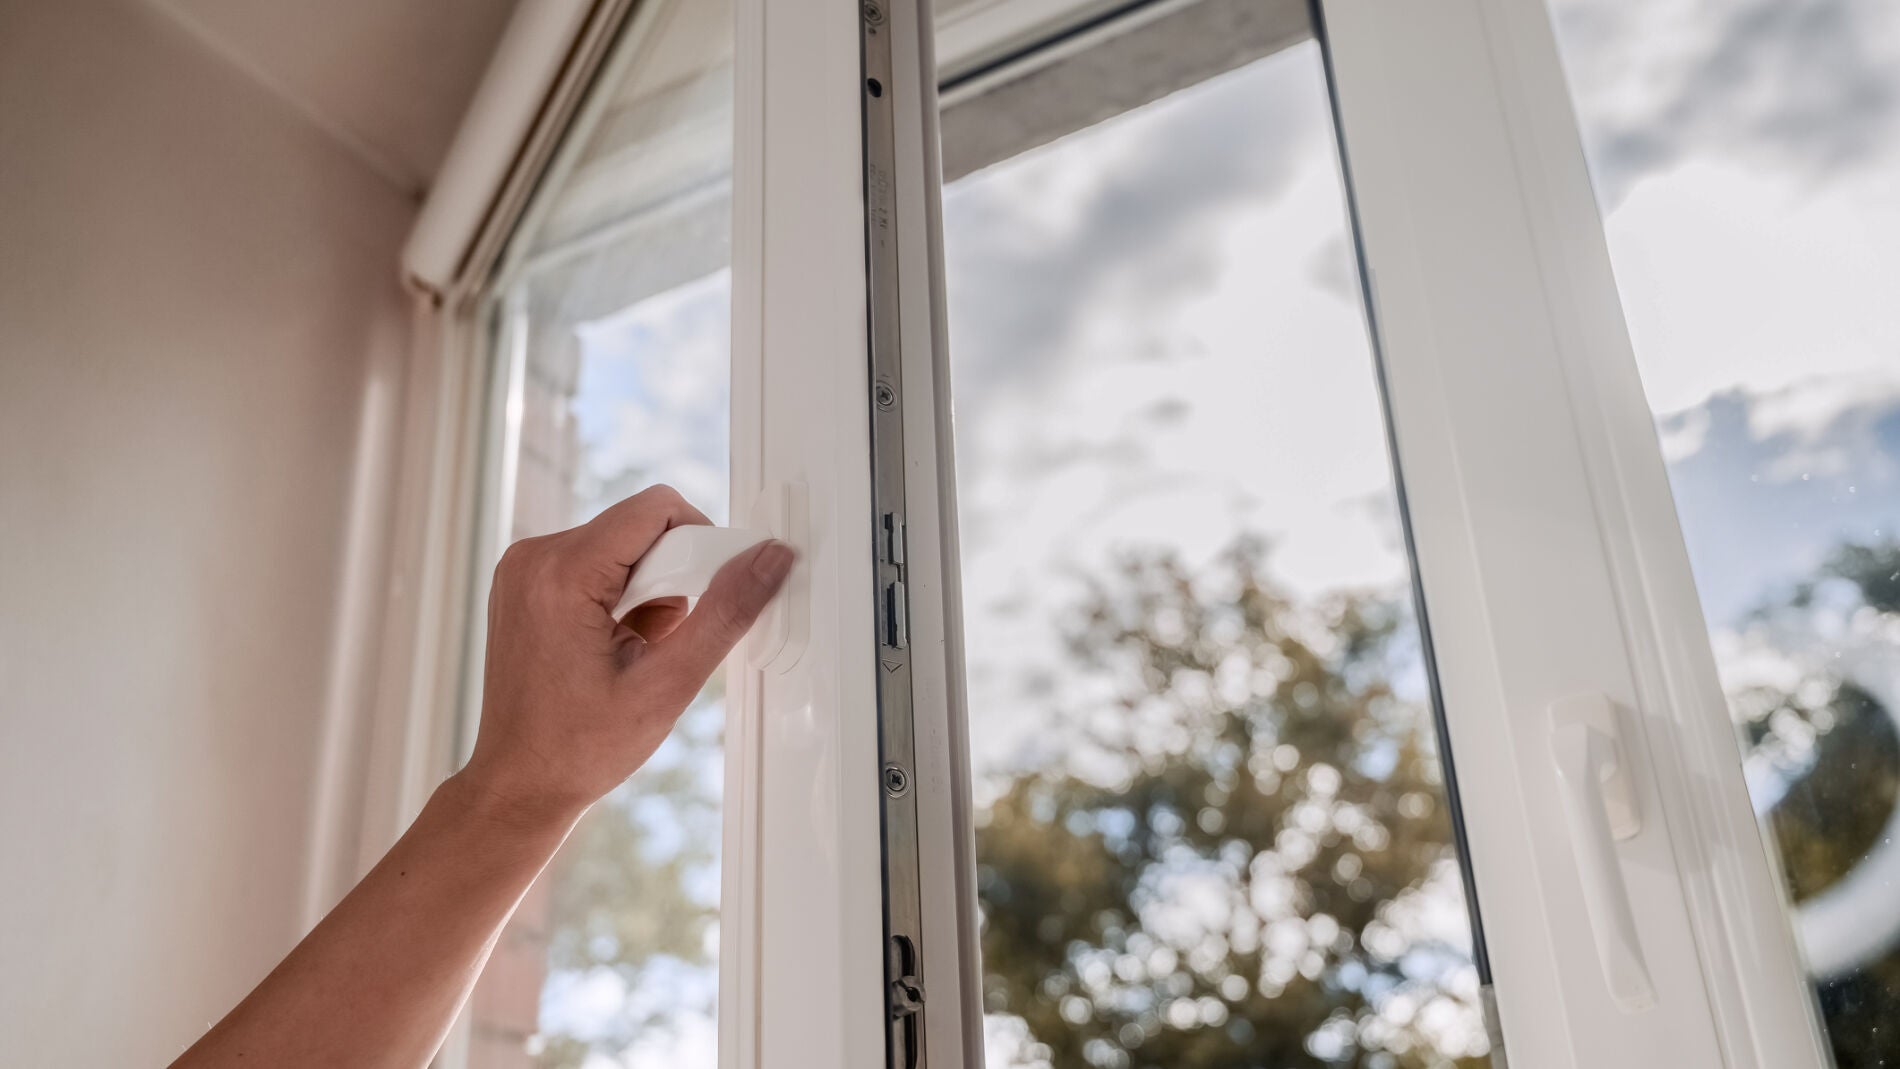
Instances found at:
x=1546 y=541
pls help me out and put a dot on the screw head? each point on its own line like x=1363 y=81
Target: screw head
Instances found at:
x=873 y=13
x=896 y=781
x=886 y=397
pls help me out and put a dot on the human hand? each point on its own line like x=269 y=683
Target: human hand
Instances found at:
x=573 y=700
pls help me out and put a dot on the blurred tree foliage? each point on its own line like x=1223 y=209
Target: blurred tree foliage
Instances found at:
x=631 y=890
x=1236 y=862
x=1873 y=569
x=1837 y=747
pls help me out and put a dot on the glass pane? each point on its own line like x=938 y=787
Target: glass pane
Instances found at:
x=613 y=333
x=1213 y=828
x=1746 y=155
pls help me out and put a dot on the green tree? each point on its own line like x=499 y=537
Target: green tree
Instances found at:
x=1874 y=570
x=1231 y=867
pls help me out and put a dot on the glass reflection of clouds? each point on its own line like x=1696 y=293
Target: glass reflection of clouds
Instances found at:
x=1747 y=158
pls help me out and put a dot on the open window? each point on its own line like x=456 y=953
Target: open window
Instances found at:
x=1299 y=664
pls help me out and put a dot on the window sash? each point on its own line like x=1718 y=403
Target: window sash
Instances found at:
x=1548 y=545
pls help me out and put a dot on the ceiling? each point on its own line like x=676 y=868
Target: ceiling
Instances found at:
x=388 y=78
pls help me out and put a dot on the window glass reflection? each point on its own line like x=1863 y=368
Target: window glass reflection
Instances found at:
x=1746 y=155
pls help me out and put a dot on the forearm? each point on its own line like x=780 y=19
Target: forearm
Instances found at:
x=573 y=701
x=379 y=981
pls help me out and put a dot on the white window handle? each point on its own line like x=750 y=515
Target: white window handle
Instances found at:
x=1599 y=799
x=682 y=562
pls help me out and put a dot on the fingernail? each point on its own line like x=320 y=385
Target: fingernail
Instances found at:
x=771 y=564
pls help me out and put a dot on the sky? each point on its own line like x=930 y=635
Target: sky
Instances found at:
x=1156 y=342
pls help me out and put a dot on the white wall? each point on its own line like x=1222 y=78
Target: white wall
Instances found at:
x=193 y=283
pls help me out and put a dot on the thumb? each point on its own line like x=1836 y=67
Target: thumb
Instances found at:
x=677 y=667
